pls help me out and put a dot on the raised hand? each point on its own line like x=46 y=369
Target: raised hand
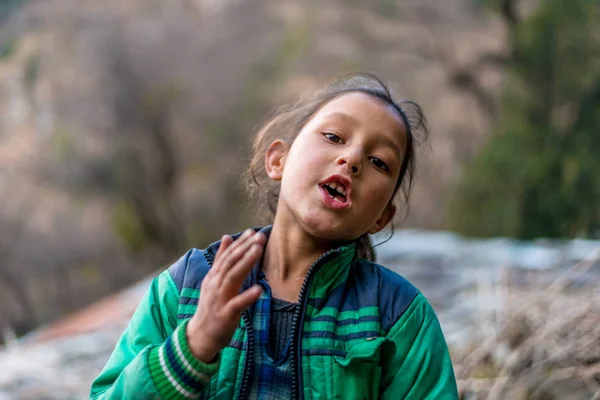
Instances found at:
x=221 y=304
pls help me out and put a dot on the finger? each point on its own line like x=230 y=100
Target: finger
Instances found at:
x=226 y=241
x=244 y=300
x=238 y=272
x=230 y=245
x=234 y=255
x=243 y=238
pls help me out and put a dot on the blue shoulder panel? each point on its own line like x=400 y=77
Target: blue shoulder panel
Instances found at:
x=369 y=285
x=395 y=294
x=192 y=267
x=189 y=270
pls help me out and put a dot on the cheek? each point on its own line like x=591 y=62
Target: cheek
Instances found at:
x=378 y=196
x=306 y=162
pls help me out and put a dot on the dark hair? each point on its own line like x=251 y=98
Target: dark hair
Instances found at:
x=288 y=121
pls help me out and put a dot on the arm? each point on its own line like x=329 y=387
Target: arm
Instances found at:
x=420 y=366
x=152 y=359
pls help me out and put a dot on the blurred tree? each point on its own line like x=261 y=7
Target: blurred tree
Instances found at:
x=145 y=164
x=538 y=175
x=13 y=286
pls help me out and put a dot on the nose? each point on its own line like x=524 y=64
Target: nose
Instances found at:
x=351 y=160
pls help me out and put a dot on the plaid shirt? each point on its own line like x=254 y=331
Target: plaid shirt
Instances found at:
x=272 y=379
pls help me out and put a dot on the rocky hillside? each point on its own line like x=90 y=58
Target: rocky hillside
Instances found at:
x=124 y=122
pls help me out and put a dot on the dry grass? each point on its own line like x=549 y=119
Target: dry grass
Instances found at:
x=541 y=342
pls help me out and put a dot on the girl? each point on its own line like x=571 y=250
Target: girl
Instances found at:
x=298 y=309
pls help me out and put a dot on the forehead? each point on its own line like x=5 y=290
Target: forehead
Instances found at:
x=365 y=110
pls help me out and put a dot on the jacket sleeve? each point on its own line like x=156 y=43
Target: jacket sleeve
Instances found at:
x=420 y=366
x=152 y=360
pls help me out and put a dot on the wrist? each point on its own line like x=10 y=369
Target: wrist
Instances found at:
x=200 y=346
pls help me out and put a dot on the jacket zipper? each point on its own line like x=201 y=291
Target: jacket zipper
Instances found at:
x=249 y=357
x=298 y=321
x=295 y=345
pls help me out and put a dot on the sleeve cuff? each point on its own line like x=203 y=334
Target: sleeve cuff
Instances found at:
x=176 y=372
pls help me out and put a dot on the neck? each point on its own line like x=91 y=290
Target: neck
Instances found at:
x=290 y=252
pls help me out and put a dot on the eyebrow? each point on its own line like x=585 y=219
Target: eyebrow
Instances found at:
x=393 y=145
x=342 y=116
x=386 y=141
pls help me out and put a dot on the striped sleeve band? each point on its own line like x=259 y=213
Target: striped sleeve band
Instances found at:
x=175 y=371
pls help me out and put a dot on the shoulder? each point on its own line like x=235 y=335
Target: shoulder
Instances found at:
x=396 y=296
x=191 y=268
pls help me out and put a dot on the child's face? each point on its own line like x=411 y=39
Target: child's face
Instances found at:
x=338 y=177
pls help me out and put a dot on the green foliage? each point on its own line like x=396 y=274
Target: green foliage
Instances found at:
x=63 y=144
x=128 y=227
x=387 y=8
x=159 y=98
x=7 y=48
x=538 y=175
x=32 y=70
x=294 y=44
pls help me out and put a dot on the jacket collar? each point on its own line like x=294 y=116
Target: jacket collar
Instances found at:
x=331 y=268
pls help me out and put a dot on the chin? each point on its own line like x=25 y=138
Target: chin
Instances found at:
x=318 y=222
x=325 y=227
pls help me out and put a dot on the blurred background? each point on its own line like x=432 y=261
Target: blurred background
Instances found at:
x=125 y=128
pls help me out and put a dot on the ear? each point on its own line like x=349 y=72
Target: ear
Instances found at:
x=275 y=159
x=386 y=216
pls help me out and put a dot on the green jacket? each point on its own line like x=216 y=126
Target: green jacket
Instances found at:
x=362 y=332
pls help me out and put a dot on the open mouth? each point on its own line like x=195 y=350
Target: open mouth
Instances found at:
x=336 y=190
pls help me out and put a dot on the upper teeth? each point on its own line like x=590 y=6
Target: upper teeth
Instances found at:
x=337 y=186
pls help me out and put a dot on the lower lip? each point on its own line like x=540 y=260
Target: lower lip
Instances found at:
x=331 y=203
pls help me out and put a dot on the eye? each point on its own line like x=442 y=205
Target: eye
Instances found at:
x=379 y=164
x=332 y=137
